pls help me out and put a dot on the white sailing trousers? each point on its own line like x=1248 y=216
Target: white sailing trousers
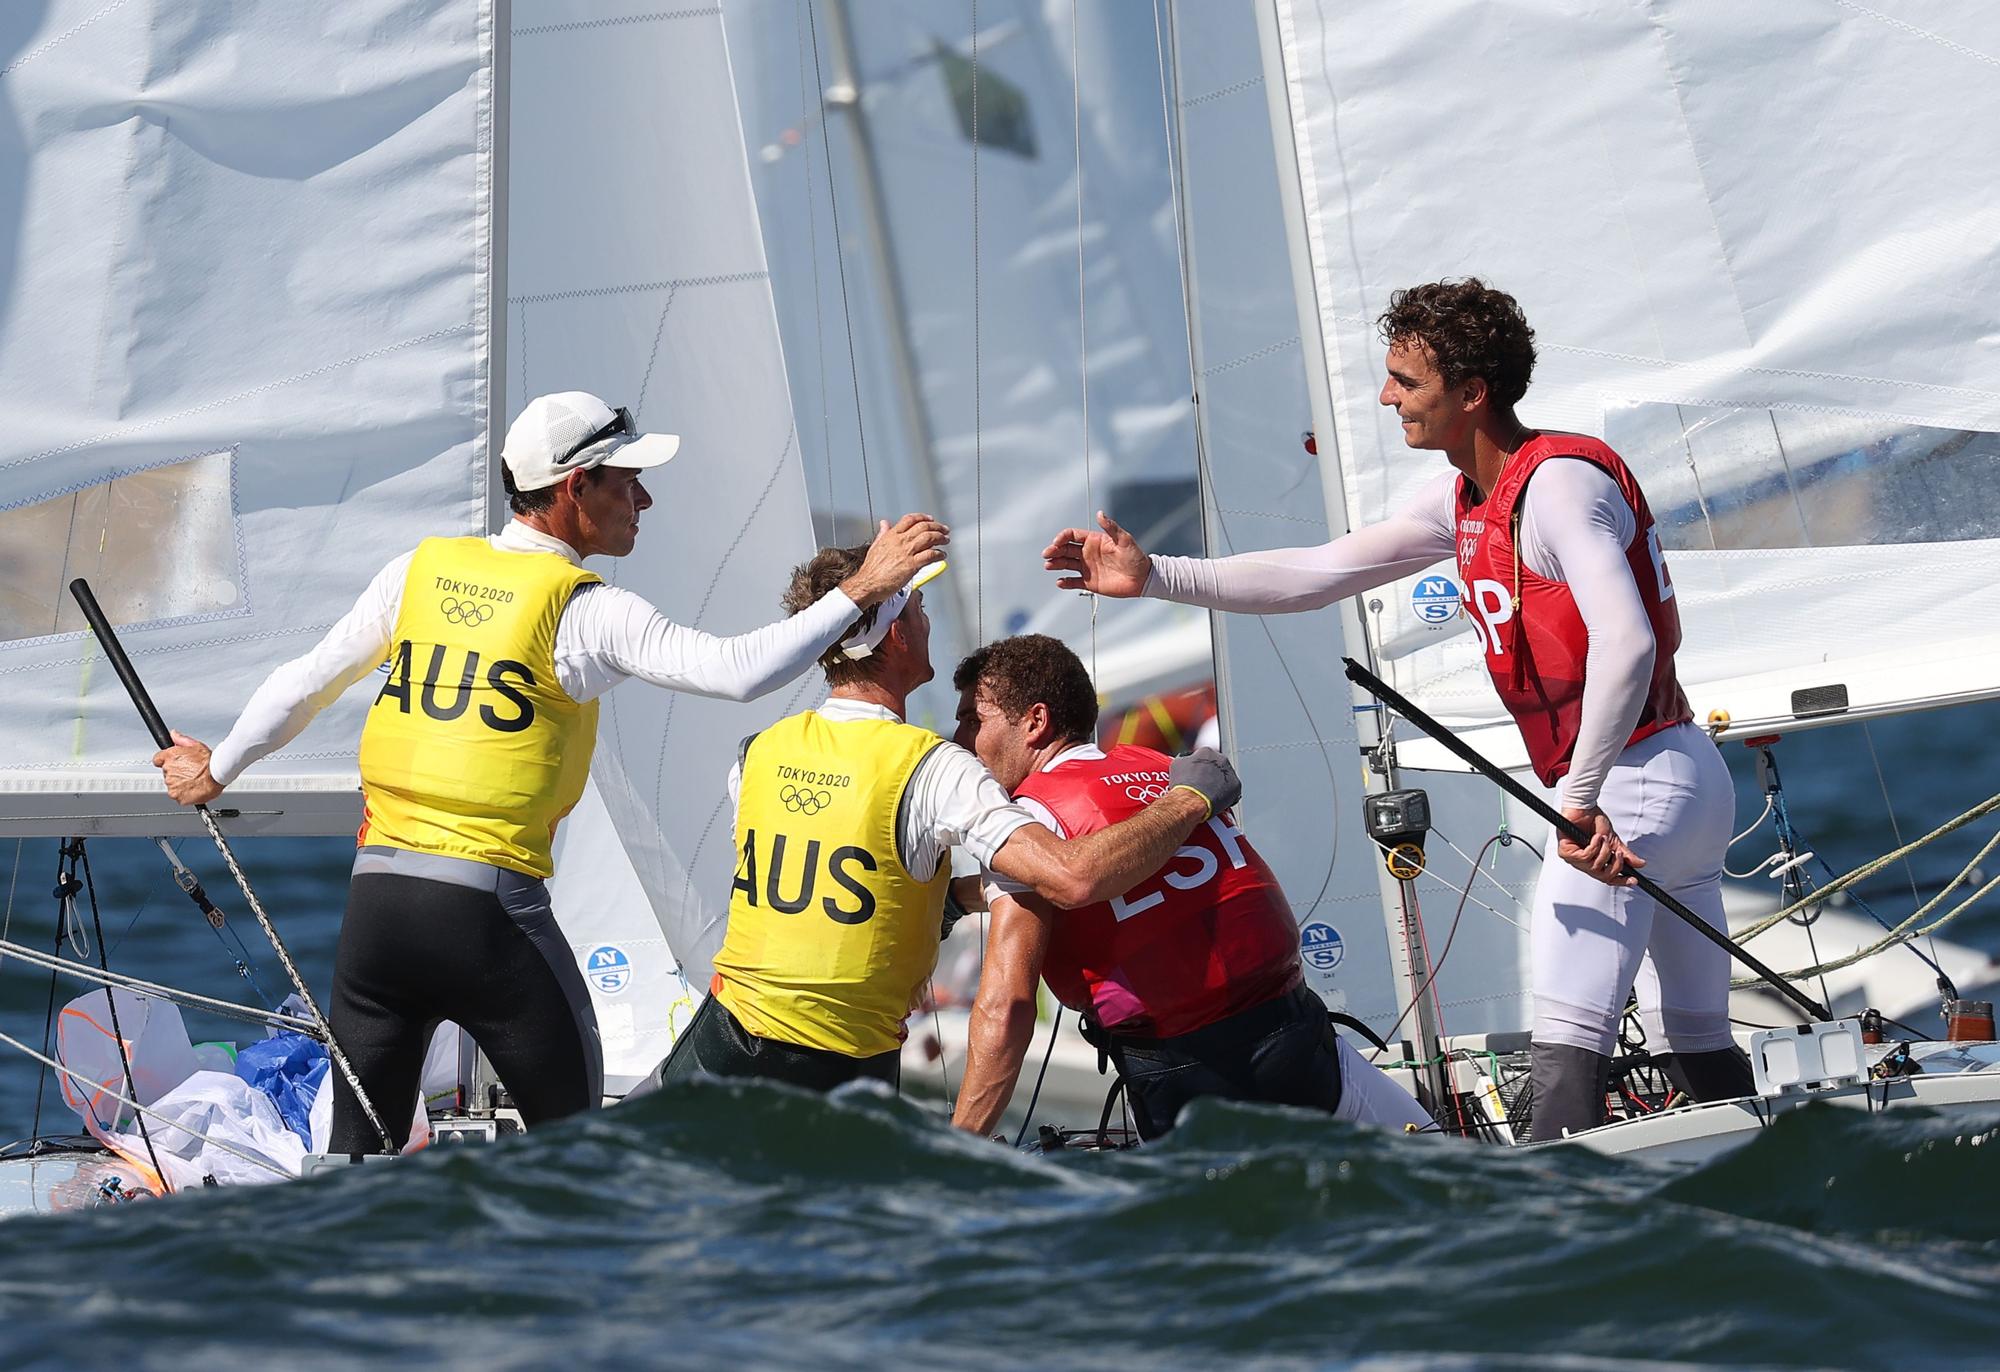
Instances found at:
x=1670 y=799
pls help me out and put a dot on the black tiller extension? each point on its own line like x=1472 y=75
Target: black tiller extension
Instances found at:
x=1575 y=832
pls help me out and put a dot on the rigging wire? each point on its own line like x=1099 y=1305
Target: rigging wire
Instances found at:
x=978 y=436
x=225 y=933
x=48 y=1022
x=840 y=259
x=50 y=1064
x=806 y=122
x=79 y=857
x=1083 y=303
x=13 y=879
x=1465 y=894
x=192 y=1000
x=1895 y=828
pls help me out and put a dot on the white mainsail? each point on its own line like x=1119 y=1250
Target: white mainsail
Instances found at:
x=256 y=345
x=1752 y=267
x=243 y=345
x=1749 y=287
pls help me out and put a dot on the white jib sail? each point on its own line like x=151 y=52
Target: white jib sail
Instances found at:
x=636 y=271
x=244 y=255
x=1753 y=266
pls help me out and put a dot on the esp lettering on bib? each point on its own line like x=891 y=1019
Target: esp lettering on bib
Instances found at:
x=1192 y=867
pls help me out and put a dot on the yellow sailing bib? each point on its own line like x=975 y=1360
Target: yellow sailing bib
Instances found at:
x=830 y=937
x=472 y=749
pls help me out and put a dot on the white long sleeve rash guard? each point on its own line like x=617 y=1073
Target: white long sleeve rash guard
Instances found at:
x=1575 y=528
x=605 y=635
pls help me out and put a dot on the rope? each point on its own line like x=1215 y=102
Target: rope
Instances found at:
x=82 y=1080
x=192 y=1000
x=1055 y=1026
x=1869 y=869
x=1903 y=932
x=333 y=1048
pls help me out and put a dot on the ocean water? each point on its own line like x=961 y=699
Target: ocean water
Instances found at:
x=718 y=1226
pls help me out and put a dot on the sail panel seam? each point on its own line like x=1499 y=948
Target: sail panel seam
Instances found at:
x=677 y=283
x=578 y=25
x=432 y=337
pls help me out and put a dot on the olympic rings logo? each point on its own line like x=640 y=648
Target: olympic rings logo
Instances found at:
x=469 y=612
x=1148 y=793
x=803 y=800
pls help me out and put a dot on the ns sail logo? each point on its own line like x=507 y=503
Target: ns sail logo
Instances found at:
x=1434 y=599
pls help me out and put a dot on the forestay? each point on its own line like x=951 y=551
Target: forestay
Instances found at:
x=244 y=254
x=1757 y=243
x=636 y=271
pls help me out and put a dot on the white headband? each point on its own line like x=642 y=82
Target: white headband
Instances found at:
x=863 y=642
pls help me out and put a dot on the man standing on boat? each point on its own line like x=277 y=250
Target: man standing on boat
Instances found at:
x=479 y=742
x=1190 y=979
x=844 y=817
x=1566 y=585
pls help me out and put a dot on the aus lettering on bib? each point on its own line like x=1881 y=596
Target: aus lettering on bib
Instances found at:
x=852 y=903
x=1203 y=869
x=444 y=702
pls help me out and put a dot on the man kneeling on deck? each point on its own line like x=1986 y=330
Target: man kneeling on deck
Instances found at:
x=843 y=817
x=1189 y=980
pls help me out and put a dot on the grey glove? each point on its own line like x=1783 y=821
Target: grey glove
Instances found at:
x=1209 y=773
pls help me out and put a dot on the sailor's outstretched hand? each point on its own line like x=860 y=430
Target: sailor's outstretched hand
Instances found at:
x=1106 y=560
x=1605 y=857
x=899 y=552
x=1209 y=774
x=184 y=767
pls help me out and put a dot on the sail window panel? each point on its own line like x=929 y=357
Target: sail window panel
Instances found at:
x=156 y=544
x=1742 y=478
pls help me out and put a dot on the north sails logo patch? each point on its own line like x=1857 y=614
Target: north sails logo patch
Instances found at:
x=607 y=969
x=1320 y=945
x=1435 y=599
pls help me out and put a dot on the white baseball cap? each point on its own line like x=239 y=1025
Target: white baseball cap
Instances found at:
x=862 y=643
x=573 y=431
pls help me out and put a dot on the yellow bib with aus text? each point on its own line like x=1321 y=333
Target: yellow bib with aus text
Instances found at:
x=472 y=749
x=830 y=937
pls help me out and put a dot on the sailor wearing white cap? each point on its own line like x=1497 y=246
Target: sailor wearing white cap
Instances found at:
x=844 y=817
x=479 y=743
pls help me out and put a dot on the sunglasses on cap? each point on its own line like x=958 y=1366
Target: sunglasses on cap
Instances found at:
x=621 y=423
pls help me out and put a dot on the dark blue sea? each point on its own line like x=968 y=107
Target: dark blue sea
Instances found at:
x=735 y=1228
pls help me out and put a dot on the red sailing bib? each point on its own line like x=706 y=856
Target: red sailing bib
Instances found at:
x=1533 y=634
x=1207 y=935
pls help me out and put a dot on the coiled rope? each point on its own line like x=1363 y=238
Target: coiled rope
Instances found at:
x=1909 y=929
